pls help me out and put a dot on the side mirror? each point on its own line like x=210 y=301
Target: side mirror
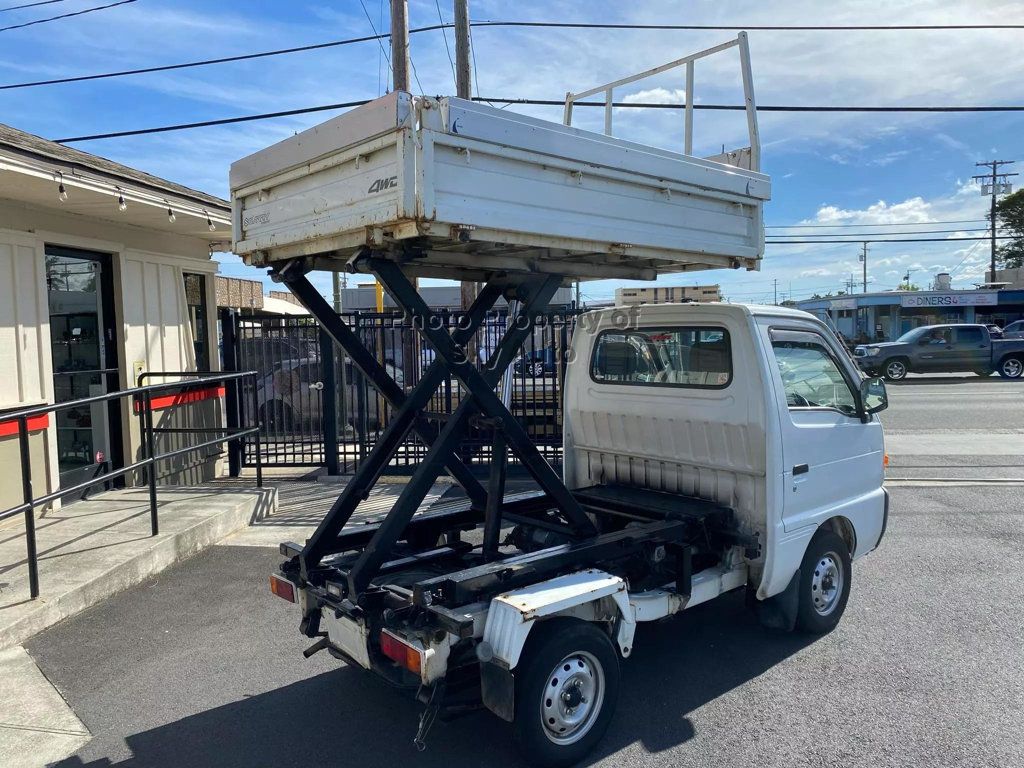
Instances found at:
x=873 y=396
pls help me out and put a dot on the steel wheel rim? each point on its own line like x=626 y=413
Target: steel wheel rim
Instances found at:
x=896 y=370
x=1012 y=367
x=827 y=583
x=572 y=698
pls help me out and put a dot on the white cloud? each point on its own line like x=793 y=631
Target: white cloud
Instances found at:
x=656 y=96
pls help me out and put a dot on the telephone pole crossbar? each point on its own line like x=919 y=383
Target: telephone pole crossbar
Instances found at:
x=996 y=182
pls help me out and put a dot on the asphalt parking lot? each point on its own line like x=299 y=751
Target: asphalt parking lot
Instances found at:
x=201 y=666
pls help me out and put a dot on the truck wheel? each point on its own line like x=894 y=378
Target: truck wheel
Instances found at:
x=566 y=689
x=1011 y=368
x=895 y=370
x=824 y=583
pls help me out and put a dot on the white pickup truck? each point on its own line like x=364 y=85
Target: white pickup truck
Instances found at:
x=716 y=447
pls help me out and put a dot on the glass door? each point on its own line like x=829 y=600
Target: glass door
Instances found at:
x=85 y=362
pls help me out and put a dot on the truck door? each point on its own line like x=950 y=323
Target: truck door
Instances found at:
x=832 y=461
x=973 y=348
x=936 y=351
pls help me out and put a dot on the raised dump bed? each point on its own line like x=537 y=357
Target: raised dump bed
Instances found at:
x=463 y=189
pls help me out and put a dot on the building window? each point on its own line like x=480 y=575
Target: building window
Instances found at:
x=198 y=316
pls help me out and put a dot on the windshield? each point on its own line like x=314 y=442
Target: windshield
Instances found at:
x=911 y=335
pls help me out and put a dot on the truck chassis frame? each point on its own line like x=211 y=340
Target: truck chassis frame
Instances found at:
x=346 y=567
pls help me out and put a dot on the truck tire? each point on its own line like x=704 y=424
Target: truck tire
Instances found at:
x=825 y=576
x=566 y=688
x=1011 y=368
x=895 y=369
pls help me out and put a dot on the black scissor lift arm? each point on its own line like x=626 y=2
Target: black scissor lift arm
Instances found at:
x=443 y=436
x=359 y=554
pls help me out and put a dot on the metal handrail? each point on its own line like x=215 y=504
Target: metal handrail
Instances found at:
x=145 y=394
x=687 y=61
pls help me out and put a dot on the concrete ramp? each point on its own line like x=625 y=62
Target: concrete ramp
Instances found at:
x=93 y=548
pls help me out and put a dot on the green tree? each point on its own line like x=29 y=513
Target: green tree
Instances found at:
x=905 y=286
x=1010 y=215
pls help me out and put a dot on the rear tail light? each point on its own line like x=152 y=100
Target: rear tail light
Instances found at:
x=282 y=588
x=401 y=652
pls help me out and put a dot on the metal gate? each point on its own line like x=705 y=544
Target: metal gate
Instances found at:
x=303 y=425
x=288 y=398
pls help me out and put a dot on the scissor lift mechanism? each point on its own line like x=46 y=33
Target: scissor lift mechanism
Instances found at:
x=364 y=553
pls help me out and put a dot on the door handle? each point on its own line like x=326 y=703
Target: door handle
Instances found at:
x=800 y=469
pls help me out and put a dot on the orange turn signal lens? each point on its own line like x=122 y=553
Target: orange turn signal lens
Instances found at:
x=885 y=460
x=282 y=588
x=401 y=652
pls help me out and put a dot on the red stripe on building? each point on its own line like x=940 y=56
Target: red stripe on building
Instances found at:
x=183 y=398
x=35 y=423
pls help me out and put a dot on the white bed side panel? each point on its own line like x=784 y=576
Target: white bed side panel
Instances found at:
x=506 y=190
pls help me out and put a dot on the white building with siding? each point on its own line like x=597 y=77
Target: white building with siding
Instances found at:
x=105 y=272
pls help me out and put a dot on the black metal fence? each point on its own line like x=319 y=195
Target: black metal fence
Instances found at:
x=143 y=398
x=317 y=409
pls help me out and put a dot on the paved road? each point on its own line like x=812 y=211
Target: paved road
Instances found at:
x=924 y=403
x=202 y=667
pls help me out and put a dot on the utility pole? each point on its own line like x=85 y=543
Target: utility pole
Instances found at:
x=775 y=285
x=400 y=44
x=864 y=260
x=464 y=90
x=993 y=183
x=463 y=80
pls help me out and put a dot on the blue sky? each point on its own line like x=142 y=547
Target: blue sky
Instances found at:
x=829 y=169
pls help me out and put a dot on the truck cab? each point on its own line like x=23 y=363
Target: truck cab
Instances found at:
x=757 y=408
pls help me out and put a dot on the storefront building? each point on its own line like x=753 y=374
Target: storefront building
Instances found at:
x=886 y=316
x=105 y=273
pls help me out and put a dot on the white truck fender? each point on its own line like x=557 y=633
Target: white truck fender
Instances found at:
x=592 y=595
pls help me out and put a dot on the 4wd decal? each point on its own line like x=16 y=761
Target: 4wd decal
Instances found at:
x=381 y=184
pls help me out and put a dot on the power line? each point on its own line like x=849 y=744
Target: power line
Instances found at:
x=444 y=34
x=375 y=36
x=860 y=235
x=890 y=224
x=210 y=123
x=754 y=28
x=203 y=63
x=64 y=15
x=30 y=5
x=307 y=110
x=898 y=240
x=435 y=27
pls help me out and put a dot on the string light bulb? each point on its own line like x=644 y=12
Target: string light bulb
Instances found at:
x=121 y=204
x=62 y=193
x=209 y=221
x=170 y=213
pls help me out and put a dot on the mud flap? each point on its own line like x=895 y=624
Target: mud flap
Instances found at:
x=498 y=690
x=779 y=612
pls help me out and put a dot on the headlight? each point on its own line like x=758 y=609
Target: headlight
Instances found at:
x=873 y=351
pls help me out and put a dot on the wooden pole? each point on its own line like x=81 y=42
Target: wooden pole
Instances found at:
x=400 y=44
x=463 y=77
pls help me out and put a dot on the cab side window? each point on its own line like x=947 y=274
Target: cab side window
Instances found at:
x=970 y=336
x=811 y=377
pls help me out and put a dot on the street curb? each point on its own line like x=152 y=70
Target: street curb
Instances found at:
x=165 y=551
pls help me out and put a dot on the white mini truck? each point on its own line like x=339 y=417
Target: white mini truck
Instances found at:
x=715 y=448
x=707 y=448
